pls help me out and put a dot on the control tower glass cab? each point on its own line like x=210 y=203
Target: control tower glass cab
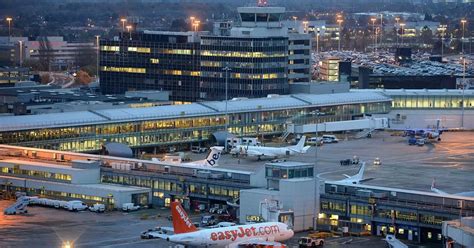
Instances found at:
x=269 y=17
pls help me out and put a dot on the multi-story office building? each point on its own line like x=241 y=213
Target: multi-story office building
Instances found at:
x=11 y=75
x=260 y=54
x=151 y=60
x=329 y=69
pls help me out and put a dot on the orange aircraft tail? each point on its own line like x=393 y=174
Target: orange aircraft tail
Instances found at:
x=181 y=221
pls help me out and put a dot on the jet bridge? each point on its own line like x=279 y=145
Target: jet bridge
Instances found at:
x=367 y=125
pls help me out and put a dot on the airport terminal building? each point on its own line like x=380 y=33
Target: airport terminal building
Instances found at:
x=155 y=129
x=409 y=214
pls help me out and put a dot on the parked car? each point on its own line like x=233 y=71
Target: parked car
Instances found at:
x=315 y=141
x=208 y=220
x=330 y=139
x=127 y=207
x=75 y=206
x=310 y=242
x=98 y=208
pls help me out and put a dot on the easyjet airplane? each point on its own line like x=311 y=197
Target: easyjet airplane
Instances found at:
x=185 y=233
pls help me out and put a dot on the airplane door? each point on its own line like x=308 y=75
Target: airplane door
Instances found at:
x=410 y=235
x=287 y=153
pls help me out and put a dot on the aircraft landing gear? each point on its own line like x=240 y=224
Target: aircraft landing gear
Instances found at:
x=439 y=139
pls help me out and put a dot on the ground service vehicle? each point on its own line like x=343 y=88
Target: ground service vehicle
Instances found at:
x=127 y=207
x=310 y=242
x=99 y=208
x=330 y=139
x=208 y=220
x=75 y=206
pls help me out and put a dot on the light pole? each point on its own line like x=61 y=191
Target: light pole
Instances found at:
x=294 y=19
x=196 y=25
x=9 y=20
x=463 y=85
x=463 y=22
x=316 y=190
x=97 y=37
x=397 y=19
x=226 y=124
x=381 y=27
x=373 y=19
x=192 y=21
x=129 y=28
x=21 y=52
x=317 y=39
x=339 y=21
x=402 y=25
x=305 y=24
x=443 y=33
x=123 y=20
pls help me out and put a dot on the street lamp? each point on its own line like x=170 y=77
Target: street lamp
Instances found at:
x=402 y=25
x=295 y=18
x=373 y=19
x=397 y=19
x=305 y=24
x=191 y=18
x=381 y=27
x=123 y=20
x=9 y=20
x=196 y=25
x=443 y=33
x=129 y=28
x=97 y=37
x=463 y=22
x=339 y=21
x=226 y=124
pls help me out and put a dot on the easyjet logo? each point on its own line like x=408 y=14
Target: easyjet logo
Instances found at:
x=241 y=232
x=184 y=217
x=213 y=160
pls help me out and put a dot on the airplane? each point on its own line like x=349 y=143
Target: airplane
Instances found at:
x=434 y=189
x=426 y=133
x=185 y=233
x=262 y=151
x=357 y=178
x=211 y=160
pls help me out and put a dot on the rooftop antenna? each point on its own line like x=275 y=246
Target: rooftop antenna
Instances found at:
x=262 y=3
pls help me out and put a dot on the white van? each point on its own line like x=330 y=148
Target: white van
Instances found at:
x=75 y=206
x=330 y=138
x=126 y=207
x=314 y=141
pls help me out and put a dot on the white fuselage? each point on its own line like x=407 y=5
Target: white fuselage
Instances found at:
x=228 y=236
x=267 y=151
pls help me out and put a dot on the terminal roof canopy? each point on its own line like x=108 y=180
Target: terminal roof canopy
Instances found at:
x=275 y=102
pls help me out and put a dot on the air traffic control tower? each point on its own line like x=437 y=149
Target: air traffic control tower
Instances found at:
x=260 y=21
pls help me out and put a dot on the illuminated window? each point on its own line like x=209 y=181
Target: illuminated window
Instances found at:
x=196 y=73
x=123 y=69
x=154 y=61
x=177 y=51
x=139 y=49
x=401 y=231
x=110 y=48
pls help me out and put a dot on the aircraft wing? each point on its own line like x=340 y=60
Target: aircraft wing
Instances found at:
x=468 y=194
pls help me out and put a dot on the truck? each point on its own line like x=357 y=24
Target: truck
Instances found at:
x=310 y=242
x=127 y=207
